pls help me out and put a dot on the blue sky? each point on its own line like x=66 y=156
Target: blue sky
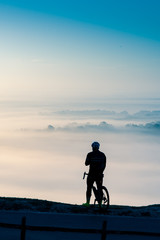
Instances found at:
x=136 y=17
x=79 y=49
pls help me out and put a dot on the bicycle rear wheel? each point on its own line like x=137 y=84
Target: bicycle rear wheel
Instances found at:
x=105 y=198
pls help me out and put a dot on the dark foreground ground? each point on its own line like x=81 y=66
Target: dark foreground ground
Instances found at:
x=35 y=205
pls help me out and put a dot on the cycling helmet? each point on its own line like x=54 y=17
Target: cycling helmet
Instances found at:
x=95 y=145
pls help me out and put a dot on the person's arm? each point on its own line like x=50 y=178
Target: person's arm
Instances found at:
x=104 y=163
x=87 y=162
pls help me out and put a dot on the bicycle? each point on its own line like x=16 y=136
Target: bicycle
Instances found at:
x=105 y=195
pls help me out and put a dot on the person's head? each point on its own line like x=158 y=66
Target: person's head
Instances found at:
x=95 y=146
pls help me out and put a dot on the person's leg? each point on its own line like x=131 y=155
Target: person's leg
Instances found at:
x=90 y=182
x=99 y=182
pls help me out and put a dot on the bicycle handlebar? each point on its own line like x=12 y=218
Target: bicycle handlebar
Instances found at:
x=84 y=175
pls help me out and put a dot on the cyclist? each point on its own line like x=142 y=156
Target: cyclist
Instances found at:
x=96 y=161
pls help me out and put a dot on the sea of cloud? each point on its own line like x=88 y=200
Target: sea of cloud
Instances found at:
x=43 y=152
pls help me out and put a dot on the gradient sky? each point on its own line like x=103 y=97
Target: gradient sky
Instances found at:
x=84 y=54
x=79 y=49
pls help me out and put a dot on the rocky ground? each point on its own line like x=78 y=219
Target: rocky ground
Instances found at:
x=36 y=205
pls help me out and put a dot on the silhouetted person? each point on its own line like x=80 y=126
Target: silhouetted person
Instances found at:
x=96 y=161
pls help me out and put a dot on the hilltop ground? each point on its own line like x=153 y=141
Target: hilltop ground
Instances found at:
x=36 y=205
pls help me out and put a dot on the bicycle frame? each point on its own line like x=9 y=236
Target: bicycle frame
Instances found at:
x=105 y=193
